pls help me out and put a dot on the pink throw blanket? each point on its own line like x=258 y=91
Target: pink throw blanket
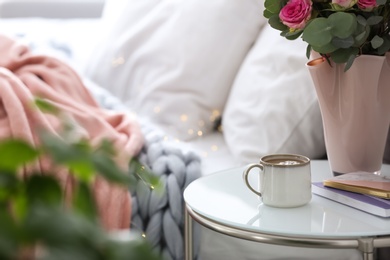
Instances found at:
x=24 y=76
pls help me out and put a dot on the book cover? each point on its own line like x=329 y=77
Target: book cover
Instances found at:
x=370 y=204
x=361 y=182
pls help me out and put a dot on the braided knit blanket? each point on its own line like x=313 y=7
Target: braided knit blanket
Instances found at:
x=159 y=217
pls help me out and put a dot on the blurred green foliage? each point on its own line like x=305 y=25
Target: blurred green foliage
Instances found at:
x=32 y=210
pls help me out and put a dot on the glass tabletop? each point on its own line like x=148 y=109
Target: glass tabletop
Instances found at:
x=224 y=197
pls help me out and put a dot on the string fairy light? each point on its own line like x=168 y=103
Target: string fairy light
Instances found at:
x=118 y=61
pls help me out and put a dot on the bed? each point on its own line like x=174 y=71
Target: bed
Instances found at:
x=212 y=77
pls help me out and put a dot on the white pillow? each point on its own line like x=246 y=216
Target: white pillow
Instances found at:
x=272 y=107
x=175 y=61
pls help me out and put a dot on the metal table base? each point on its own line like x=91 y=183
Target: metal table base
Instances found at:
x=366 y=245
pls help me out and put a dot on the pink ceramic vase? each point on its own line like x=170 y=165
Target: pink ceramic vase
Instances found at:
x=355 y=108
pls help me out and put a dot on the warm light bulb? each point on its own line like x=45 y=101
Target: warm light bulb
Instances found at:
x=156 y=109
x=183 y=118
x=214 y=115
x=117 y=61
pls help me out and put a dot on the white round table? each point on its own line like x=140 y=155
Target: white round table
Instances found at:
x=223 y=203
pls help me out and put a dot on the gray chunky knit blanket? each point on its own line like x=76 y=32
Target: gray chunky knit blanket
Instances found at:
x=160 y=217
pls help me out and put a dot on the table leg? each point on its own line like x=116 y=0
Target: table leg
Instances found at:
x=188 y=236
x=368 y=256
x=366 y=246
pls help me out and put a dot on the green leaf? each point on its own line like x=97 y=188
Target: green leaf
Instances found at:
x=107 y=147
x=74 y=251
x=20 y=205
x=385 y=47
x=373 y=20
x=82 y=169
x=15 y=153
x=43 y=189
x=275 y=23
x=106 y=167
x=9 y=236
x=325 y=49
x=381 y=2
x=342 y=55
x=9 y=184
x=75 y=156
x=343 y=24
x=308 y=51
x=318 y=33
x=145 y=175
x=362 y=37
x=50 y=226
x=349 y=63
x=343 y=43
x=46 y=106
x=59 y=150
x=267 y=14
x=376 y=42
x=134 y=249
x=292 y=35
x=84 y=203
x=273 y=6
x=361 y=20
x=60 y=228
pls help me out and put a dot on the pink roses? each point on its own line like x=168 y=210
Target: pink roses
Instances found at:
x=296 y=13
x=367 y=5
x=343 y=4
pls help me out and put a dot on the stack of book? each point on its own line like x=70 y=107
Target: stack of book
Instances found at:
x=363 y=191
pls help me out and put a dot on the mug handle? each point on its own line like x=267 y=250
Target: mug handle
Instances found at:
x=245 y=175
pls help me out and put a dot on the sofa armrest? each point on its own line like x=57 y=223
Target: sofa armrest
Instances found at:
x=51 y=8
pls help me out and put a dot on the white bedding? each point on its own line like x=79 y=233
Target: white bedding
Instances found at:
x=69 y=39
x=72 y=40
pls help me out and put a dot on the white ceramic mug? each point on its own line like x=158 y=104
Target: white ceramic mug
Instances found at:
x=284 y=181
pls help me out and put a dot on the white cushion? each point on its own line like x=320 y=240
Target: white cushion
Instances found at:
x=175 y=61
x=272 y=107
